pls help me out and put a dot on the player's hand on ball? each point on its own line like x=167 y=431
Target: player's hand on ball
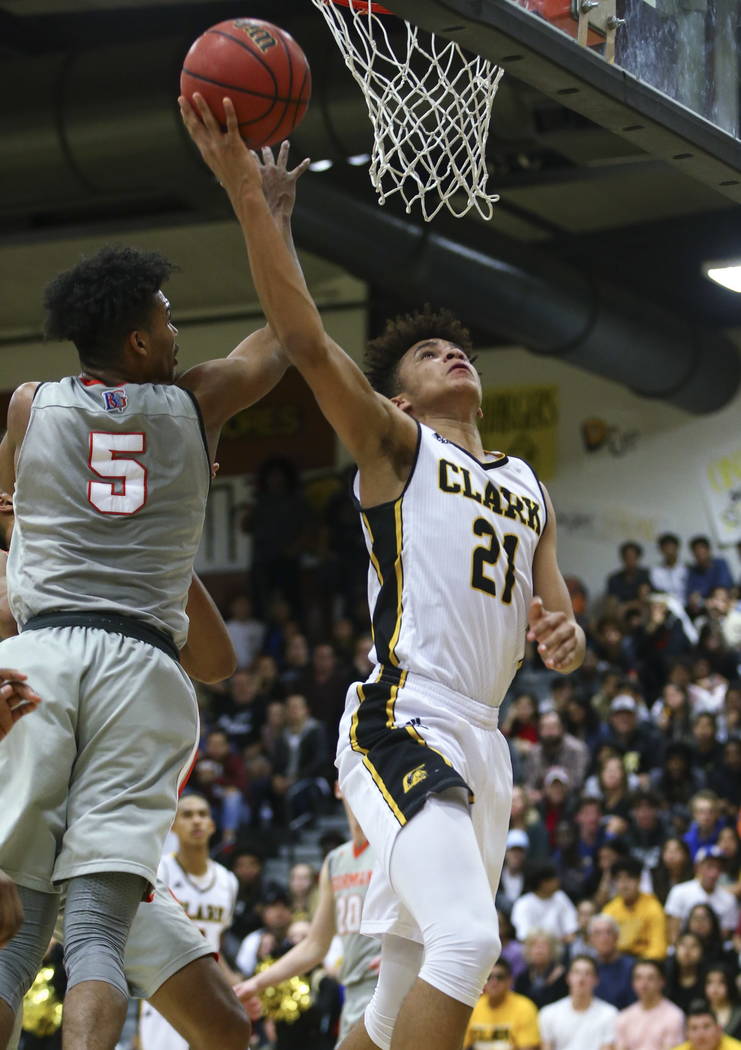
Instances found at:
x=11 y=911
x=226 y=154
x=278 y=183
x=556 y=636
x=16 y=699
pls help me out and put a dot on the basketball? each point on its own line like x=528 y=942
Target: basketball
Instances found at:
x=260 y=68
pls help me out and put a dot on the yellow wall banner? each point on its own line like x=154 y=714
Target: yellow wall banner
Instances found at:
x=721 y=476
x=522 y=421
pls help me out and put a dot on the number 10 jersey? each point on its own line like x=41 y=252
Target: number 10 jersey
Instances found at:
x=450 y=577
x=109 y=502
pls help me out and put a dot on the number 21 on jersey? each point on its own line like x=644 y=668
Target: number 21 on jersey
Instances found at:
x=488 y=554
x=112 y=457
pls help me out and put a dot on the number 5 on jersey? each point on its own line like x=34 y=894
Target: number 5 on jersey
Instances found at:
x=112 y=457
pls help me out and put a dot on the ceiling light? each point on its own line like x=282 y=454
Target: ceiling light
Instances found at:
x=726 y=273
x=321 y=165
x=359 y=159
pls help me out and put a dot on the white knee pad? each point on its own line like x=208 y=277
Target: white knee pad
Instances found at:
x=400 y=961
x=439 y=874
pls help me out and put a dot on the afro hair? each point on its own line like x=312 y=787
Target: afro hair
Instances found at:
x=382 y=355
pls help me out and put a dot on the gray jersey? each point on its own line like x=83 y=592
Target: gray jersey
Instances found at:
x=349 y=873
x=110 y=498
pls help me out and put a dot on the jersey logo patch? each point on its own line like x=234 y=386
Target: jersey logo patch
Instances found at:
x=413 y=777
x=115 y=400
x=441 y=439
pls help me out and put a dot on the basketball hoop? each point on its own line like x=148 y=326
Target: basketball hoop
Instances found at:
x=430 y=105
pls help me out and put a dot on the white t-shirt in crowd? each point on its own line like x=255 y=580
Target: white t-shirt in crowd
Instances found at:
x=556 y=915
x=684 y=896
x=569 y=1029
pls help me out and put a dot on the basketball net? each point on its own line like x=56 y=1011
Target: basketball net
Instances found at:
x=430 y=108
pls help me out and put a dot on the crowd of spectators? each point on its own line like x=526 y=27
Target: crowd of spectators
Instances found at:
x=619 y=899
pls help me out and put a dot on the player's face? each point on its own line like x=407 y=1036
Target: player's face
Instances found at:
x=193 y=824
x=163 y=349
x=435 y=373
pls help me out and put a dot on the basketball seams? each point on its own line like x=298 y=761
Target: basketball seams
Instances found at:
x=273 y=133
x=246 y=45
x=241 y=90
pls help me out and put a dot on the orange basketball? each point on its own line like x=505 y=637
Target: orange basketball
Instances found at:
x=260 y=68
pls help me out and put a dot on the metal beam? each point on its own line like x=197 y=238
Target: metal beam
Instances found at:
x=534 y=52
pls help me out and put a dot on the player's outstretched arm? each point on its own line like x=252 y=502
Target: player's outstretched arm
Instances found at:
x=368 y=424
x=553 y=626
x=208 y=655
x=305 y=955
x=228 y=385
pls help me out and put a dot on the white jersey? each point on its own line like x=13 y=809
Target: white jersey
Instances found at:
x=450 y=579
x=208 y=900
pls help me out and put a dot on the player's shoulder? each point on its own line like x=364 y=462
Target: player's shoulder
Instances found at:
x=343 y=852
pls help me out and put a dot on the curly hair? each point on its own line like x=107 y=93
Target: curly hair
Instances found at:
x=96 y=303
x=382 y=355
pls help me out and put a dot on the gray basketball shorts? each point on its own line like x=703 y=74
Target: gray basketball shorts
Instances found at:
x=162 y=940
x=89 y=782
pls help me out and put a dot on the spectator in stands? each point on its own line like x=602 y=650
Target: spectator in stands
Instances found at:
x=246 y=632
x=588 y=819
x=684 y=971
x=638 y=741
x=580 y=1021
x=639 y=916
x=582 y=722
x=703 y=922
x=556 y=748
x=571 y=867
x=545 y=907
x=725 y=778
x=296 y=663
x=276 y=919
x=670 y=575
x=609 y=642
x=553 y=805
x=708 y=687
x=544 y=980
x=705 y=573
x=722 y=996
x=652 y=1021
x=267 y=678
x=729 y=718
x=324 y=684
x=586 y=909
x=526 y=817
x=678 y=780
x=520 y=724
x=612 y=780
x=721 y=610
x=243 y=714
x=703 y=889
x=502 y=1017
x=704 y=1032
x=646 y=830
x=610 y=685
x=673 y=869
x=272 y=728
x=279 y=522
x=303 y=890
x=221 y=778
x=600 y=885
x=706 y=822
x=730 y=848
x=512 y=881
x=632 y=581
x=614 y=969
x=247 y=865
x=659 y=638
x=672 y=713
x=300 y=752
x=512 y=950
x=361 y=665
x=708 y=753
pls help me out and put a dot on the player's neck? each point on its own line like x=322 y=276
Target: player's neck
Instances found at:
x=108 y=376
x=193 y=859
x=461 y=432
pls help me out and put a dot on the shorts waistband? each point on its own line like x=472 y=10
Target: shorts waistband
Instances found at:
x=112 y=622
x=474 y=711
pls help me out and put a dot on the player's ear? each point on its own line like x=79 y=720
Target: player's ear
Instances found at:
x=479 y=412
x=402 y=401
